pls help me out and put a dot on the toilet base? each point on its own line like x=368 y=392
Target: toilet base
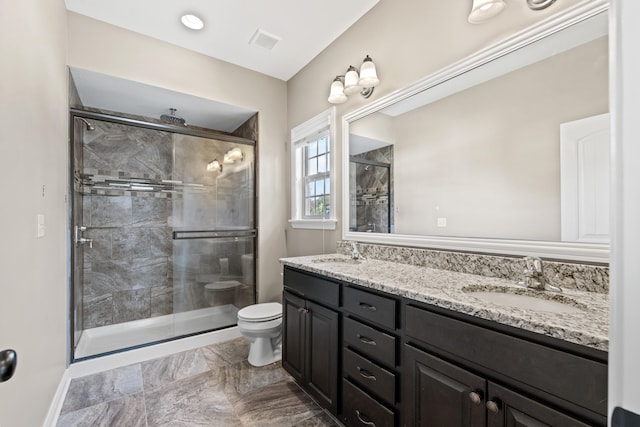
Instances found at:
x=262 y=353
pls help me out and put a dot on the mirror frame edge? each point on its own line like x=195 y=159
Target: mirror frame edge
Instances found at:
x=570 y=251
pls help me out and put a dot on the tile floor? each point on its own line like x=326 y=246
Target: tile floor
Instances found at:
x=208 y=386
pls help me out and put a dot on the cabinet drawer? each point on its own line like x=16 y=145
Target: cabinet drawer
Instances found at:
x=375 y=344
x=312 y=287
x=369 y=376
x=376 y=308
x=569 y=377
x=361 y=410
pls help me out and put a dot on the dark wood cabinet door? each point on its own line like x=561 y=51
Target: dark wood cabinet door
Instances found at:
x=437 y=393
x=322 y=358
x=293 y=336
x=510 y=409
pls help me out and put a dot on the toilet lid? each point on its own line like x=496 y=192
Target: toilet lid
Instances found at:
x=221 y=286
x=261 y=312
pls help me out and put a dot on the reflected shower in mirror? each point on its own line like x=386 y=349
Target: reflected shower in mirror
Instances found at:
x=371 y=190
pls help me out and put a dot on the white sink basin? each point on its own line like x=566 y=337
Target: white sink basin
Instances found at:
x=539 y=301
x=337 y=260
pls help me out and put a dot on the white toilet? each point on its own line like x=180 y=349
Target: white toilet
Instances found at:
x=261 y=325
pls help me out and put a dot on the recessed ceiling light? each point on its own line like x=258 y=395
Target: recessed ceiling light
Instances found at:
x=192 y=21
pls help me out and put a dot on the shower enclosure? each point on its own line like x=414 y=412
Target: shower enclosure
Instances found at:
x=163 y=231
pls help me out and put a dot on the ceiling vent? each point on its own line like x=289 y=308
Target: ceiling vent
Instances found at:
x=263 y=39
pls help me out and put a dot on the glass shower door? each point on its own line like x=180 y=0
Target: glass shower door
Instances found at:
x=162 y=241
x=214 y=233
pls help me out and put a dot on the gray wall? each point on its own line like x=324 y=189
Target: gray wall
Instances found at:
x=33 y=164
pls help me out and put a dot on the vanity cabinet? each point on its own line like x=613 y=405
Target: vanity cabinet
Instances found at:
x=477 y=376
x=369 y=358
x=376 y=359
x=311 y=335
x=439 y=393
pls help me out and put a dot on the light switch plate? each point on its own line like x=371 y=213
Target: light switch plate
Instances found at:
x=40 y=220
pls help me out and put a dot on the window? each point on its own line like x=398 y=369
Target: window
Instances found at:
x=311 y=173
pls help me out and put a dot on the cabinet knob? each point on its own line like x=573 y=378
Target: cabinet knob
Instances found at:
x=493 y=407
x=475 y=397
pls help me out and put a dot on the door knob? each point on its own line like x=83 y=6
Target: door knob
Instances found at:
x=8 y=361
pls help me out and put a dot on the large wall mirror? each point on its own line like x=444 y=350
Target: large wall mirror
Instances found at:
x=504 y=152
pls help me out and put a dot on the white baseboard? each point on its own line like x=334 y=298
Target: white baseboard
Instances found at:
x=58 y=400
x=105 y=363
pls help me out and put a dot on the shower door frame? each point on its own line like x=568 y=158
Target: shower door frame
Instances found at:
x=71 y=205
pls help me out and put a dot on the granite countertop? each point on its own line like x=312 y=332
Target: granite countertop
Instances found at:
x=587 y=325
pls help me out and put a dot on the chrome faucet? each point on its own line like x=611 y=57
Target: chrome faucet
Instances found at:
x=534 y=276
x=355 y=253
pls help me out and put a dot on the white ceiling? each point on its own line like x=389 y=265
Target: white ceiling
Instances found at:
x=304 y=27
x=110 y=93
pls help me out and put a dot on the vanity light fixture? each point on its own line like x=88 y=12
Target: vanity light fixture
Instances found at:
x=233 y=155
x=214 y=166
x=483 y=10
x=192 y=21
x=353 y=82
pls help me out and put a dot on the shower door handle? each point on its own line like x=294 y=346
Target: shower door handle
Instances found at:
x=83 y=241
x=79 y=229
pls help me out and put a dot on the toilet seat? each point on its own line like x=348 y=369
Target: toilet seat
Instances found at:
x=261 y=312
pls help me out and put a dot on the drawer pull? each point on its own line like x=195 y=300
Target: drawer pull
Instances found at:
x=475 y=397
x=493 y=407
x=367 y=306
x=367 y=423
x=366 y=374
x=366 y=340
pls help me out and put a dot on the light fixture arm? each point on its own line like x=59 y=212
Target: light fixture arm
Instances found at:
x=367 y=92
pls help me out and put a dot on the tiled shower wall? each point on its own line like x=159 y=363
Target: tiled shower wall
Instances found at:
x=135 y=269
x=373 y=204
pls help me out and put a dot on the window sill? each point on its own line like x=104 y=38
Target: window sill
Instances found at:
x=314 y=224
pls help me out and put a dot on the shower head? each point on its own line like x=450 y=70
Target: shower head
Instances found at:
x=173 y=119
x=86 y=123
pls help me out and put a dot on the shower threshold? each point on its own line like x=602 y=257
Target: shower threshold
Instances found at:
x=106 y=339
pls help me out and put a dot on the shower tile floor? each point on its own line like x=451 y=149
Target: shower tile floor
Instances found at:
x=208 y=386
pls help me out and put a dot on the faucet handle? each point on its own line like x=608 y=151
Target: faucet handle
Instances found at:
x=533 y=263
